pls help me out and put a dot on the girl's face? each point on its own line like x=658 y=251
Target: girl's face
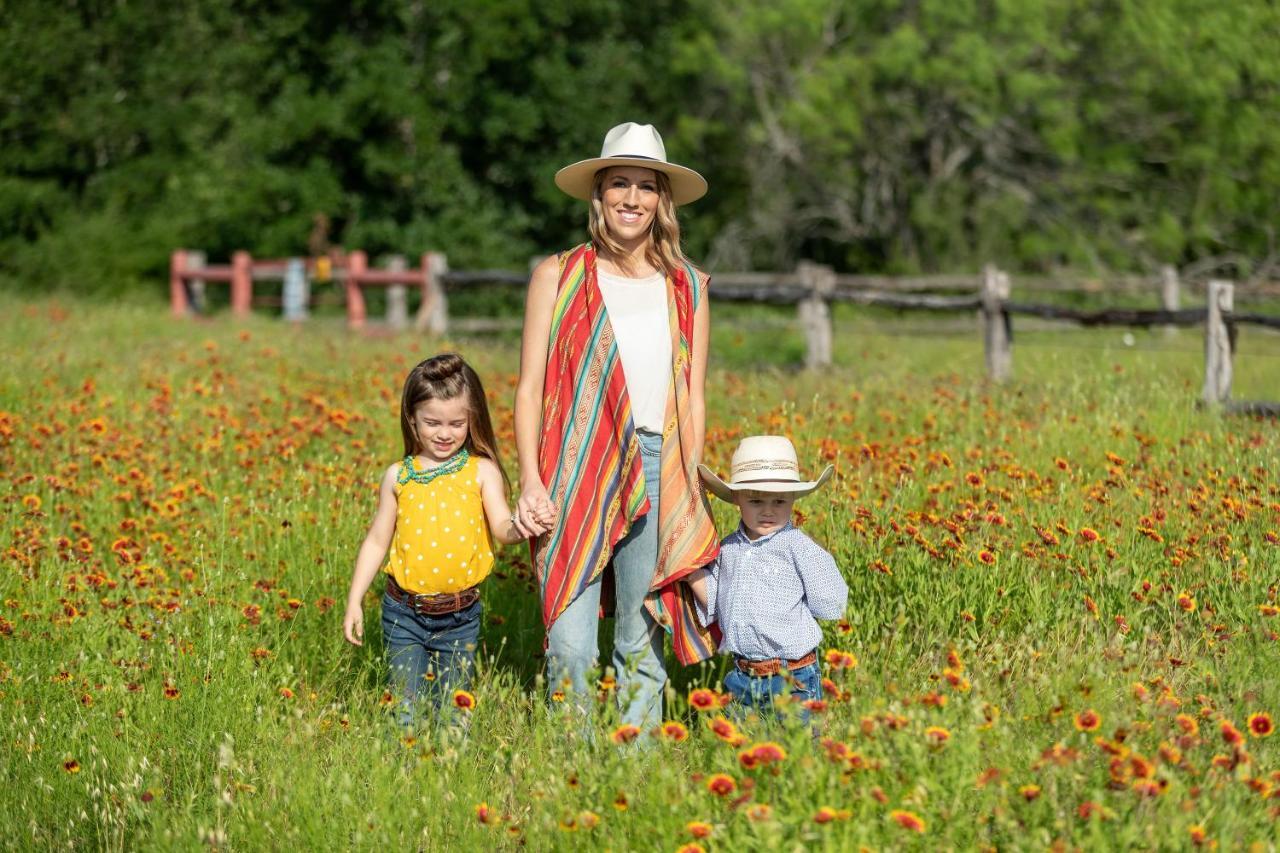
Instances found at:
x=629 y=195
x=764 y=512
x=441 y=426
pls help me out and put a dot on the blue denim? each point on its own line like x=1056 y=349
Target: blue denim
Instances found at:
x=758 y=691
x=573 y=641
x=430 y=656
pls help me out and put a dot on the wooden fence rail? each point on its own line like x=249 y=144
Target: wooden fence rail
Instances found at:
x=811 y=288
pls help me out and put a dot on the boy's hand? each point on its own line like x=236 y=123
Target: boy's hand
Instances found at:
x=353 y=625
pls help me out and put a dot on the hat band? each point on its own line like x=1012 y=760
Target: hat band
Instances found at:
x=737 y=482
x=765 y=465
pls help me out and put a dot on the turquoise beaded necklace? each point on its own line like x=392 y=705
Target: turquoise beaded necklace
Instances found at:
x=452 y=465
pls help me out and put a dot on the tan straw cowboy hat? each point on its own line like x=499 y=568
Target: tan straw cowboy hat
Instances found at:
x=631 y=144
x=763 y=463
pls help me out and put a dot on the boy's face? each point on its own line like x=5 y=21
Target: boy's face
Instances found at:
x=764 y=512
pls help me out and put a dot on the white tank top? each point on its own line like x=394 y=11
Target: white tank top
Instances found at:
x=637 y=310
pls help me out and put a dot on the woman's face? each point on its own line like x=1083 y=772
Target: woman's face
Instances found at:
x=629 y=195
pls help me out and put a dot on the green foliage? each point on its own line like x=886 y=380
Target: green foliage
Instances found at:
x=875 y=136
x=1043 y=134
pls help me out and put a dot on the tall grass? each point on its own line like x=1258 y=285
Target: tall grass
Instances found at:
x=183 y=501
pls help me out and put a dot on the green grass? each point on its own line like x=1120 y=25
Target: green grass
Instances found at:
x=188 y=446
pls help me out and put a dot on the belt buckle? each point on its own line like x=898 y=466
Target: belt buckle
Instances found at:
x=415 y=601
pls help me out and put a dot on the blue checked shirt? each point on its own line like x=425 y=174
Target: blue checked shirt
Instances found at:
x=768 y=594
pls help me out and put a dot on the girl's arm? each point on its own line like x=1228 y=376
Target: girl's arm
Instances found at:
x=535 y=343
x=698 y=369
x=369 y=559
x=504 y=526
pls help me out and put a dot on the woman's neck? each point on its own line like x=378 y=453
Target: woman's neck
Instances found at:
x=632 y=263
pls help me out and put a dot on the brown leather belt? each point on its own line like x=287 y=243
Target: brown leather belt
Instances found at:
x=761 y=668
x=440 y=604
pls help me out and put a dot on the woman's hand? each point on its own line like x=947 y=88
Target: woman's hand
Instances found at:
x=535 y=514
x=353 y=625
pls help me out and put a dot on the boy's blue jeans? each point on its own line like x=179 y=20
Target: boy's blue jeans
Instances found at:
x=573 y=641
x=758 y=691
x=430 y=656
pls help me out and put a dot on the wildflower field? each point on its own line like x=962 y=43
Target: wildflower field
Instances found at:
x=1063 y=624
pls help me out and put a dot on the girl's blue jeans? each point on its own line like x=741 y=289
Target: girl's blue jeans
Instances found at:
x=430 y=656
x=758 y=692
x=573 y=641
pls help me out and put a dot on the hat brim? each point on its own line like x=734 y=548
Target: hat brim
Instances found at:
x=576 y=179
x=725 y=491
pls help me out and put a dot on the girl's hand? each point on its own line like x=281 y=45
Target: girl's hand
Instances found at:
x=353 y=625
x=535 y=514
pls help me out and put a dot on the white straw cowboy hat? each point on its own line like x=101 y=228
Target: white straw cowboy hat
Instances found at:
x=762 y=463
x=631 y=144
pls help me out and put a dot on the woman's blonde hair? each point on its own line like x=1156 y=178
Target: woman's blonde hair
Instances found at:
x=663 y=252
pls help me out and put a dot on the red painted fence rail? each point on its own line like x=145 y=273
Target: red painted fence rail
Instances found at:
x=352 y=270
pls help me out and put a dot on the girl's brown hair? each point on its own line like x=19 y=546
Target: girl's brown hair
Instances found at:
x=447 y=377
x=663 y=252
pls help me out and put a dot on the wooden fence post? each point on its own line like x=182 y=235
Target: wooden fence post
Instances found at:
x=996 y=335
x=296 y=292
x=177 y=287
x=1217 y=344
x=241 y=284
x=397 y=296
x=357 y=263
x=819 y=283
x=433 y=313
x=1170 y=294
x=195 y=286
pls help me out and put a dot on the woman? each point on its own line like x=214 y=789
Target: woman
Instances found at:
x=609 y=424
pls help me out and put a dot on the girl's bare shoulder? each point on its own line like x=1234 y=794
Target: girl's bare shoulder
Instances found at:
x=487 y=468
x=392 y=474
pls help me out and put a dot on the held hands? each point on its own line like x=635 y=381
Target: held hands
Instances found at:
x=534 y=514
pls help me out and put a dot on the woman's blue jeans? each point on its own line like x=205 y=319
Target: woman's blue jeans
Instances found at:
x=430 y=656
x=573 y=642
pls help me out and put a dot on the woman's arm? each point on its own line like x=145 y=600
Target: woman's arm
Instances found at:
x=372 y=552
x=535 y=343
x=698 y=369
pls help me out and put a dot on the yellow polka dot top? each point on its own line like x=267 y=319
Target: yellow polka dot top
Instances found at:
x=442 y=541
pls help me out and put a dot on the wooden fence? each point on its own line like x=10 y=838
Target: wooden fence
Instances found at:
x=811 y=288
x=189 y=275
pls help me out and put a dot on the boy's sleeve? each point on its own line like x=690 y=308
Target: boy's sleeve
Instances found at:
x=825 y=591
x=707 y=613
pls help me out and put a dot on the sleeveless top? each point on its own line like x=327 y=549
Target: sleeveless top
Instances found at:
x=442 y=541
x=638 y=312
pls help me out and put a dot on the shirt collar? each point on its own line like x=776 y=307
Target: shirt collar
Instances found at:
x=742 y=534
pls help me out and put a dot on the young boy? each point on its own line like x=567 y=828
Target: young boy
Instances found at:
x=771 y=582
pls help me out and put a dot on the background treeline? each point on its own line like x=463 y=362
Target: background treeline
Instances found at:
x=1094 y=135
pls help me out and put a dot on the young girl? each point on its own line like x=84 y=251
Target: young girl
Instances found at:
x=439 y=510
